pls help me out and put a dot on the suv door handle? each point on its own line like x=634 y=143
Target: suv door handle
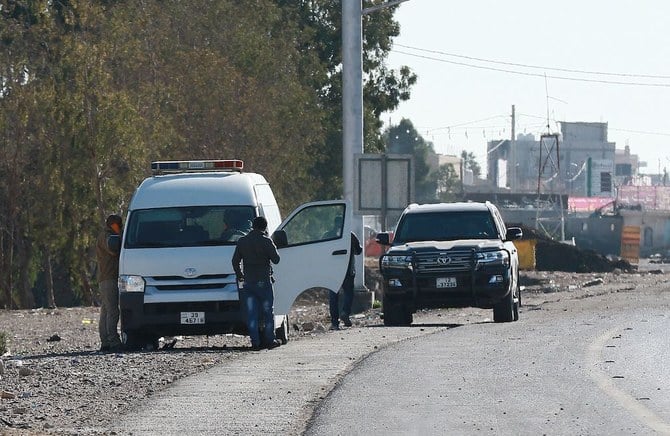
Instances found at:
x=339 y=252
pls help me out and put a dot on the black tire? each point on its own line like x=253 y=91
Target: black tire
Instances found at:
x=281 y=333
x=517 y=303
x=504 y=310
x=395 y=313
x=150 y=343
x=132 y=340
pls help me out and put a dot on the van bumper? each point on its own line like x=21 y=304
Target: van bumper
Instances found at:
x=164 y=319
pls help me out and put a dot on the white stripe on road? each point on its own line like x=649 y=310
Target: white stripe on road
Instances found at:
x=604 y=381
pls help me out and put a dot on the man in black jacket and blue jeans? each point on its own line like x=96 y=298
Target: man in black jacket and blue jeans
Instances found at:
x=255 y=251
x=347 y=290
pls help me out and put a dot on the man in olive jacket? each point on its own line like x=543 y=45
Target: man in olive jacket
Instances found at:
x=108 y=275
x=255 y=251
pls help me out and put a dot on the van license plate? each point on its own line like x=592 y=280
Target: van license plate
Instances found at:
x=446 y=282
x=193 y=317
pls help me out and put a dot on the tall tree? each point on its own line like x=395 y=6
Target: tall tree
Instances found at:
x=98 y=88
x=449 y=186
x=404 y=139
x=470 y=162
x=320 y=25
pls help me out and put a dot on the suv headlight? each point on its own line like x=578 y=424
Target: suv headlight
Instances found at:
x=500 y=257
x=395 y=261
x=131 y=284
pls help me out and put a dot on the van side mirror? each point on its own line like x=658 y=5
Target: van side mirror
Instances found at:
x=114 y=243
x=280 y=239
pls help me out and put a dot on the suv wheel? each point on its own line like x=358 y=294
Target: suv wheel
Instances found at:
x=504 y=310
x=395 y=313
x=517 y=303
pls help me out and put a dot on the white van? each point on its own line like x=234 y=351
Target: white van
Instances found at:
x=175 y=271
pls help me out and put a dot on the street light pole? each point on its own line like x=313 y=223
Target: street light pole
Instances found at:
x=352 y=86
x=352 y=110
x=352 y=91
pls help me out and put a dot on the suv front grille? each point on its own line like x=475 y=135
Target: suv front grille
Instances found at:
x=444 y=261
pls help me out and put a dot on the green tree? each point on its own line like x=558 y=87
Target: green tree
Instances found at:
x=470 y=162
x=92 y=90
x=404 y=139
x=320 y=33
x=449 y=186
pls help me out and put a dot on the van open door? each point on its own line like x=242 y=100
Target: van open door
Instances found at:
x=315 y=252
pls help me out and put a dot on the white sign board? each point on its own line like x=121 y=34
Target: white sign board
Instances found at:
x=383 y=182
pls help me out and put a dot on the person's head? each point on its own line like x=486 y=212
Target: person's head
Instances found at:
x=260 y=223
x=114 y=222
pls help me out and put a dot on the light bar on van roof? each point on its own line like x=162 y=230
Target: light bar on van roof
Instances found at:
x=184 y=166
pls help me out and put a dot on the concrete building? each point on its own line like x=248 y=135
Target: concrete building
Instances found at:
x=581 y=164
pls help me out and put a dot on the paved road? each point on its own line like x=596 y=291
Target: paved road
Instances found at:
x=599 y=366
x=562 y=377
x=265 y=392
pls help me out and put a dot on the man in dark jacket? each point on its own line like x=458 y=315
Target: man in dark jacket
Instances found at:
x=347 y=290
x=254 y=252
x=108 y=275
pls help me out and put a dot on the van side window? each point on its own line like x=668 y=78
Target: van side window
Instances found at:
x=314 y=224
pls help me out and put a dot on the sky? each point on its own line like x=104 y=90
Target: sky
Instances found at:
x=476 y=58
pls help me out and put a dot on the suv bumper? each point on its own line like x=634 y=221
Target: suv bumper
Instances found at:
x=482 y=288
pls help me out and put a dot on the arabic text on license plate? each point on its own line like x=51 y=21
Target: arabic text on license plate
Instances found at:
x=193 y=317
x=446 y=282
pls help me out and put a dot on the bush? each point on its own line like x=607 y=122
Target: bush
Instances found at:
x=376 y=304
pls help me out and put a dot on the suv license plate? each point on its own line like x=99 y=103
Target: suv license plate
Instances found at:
x=446 y=282
x=193 y=317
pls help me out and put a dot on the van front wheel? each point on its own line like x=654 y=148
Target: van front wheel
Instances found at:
x=132 y=340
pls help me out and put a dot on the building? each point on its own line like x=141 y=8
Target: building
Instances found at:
x=581 y=163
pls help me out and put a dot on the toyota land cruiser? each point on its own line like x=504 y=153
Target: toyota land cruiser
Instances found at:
x=450 y=255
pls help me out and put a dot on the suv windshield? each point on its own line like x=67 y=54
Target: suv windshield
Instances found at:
x=441 y=226
x=188 y=226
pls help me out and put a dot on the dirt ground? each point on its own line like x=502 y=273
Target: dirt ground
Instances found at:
x=52 y=380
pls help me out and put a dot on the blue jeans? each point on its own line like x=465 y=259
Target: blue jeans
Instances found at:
x=257 y=300
x=347 y=291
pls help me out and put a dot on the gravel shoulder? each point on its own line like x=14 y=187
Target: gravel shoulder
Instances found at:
x=52 y=380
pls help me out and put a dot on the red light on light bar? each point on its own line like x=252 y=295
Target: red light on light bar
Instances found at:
x=230 y=163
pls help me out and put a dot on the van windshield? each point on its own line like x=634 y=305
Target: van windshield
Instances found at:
x=192 y=226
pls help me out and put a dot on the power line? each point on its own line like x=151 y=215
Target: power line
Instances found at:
x=467 y=123
x=566 y=70
x=641 y=132
x=524 y=73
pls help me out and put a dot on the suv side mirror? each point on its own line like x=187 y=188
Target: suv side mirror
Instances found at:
x=514 y=233
x=280 y=239
x=383 y=238
x=114 y=243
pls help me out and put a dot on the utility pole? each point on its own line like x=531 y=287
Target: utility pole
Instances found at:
x=352 y=91
x=352 y=108
x=513 y=184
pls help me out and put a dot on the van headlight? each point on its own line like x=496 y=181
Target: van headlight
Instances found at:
x=131 y=284
x=500 y=257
